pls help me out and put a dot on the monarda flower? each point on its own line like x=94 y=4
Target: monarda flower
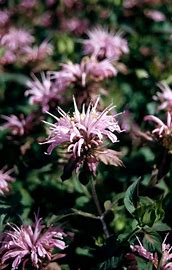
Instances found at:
x=18 y=126
x=43 y=93
x=85 y=77
x=4 y=17
x=103 y=44
x=165 y=97
x=16 y=39
x=85 y=133
x=162 y=131
x=37 y=53
x=166 y=259
x=155 y=15
x=31 y=245
x=5 y=180
x=88 y=70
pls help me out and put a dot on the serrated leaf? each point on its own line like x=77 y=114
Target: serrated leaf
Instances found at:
x=131 y=197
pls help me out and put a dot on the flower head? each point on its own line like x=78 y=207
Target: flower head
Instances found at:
x=162 y=131
x=155 y=15
x=31 y=244
x=4 y=17
x=104 y=44
x=16 y=39
x=38 y=53
x=143 y=252
x=166 y=259
x=5 y=180
x=44 y=92
x=13 y=123
x=85 y=133
x=88 y=70
x=18 y=125
x=165 y=97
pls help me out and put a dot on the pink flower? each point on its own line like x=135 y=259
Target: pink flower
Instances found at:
x=143 y=252
x=4 y=17
x=133 y=3
x=155 y=15
x=162 y=129
x=165 y=97
x=5 y=179
x=38 y=53
x=88 y=70
x=104 y=44
x=13 y=123
x=166 y=259
x=85 y=134
x=74 y=25
x=18 y=125
x=16 y=39
x=8 y=57
x=31 y=244
x=26 y=5
x=44 y=92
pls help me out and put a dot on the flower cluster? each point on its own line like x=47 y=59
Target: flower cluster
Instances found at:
x=44 y=93
x=84 y=77
x=162 y=131
x=31 y=245
x=85 y=133
x=18 y=126
x=166 y=260
x=103 y=44
x=165 y=97
x=88 y=69
x=17 y=46
x=5 y=180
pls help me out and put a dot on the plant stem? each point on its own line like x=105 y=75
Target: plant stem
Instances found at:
x=99 y=210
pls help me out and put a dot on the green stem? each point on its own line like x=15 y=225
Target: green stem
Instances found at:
x=99 y=210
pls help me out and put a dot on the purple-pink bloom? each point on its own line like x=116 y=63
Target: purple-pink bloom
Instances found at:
x=88 y=70
x=5 y=180
x=104 y=44
x=74 y=25
x=166 y=260
x=85 y=134
x=162 y=129
x=155 y=15
x=44 y=92
x=4 y=17
x=165 y=97
x=143 y=252
x=16 y=39
x=16 y=125
x=37 y=53
x=8 y=57
x=31 y=244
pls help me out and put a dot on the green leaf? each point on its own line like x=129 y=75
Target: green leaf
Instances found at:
x=81 y=201
x=161 y=227
x=143 y=264
x=83 y=252
x=152 y=240
x=111 y=263
x=131 y=197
